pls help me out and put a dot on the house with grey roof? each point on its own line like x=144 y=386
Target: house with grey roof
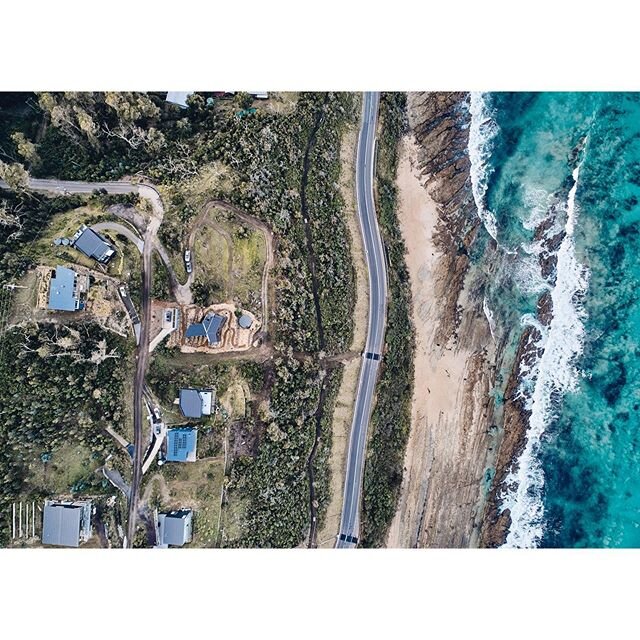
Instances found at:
x=174 y=528
x=195 y=403
x=210 y=328
x=64 y=290
x=66 y=524
x=92 y=244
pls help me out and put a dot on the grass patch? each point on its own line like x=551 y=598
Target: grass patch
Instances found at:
x=234 y=513
x=64 y=225
x=211 y=260
x=70 y=470
x=222 y=239
x=249 y=257
x=196 y=485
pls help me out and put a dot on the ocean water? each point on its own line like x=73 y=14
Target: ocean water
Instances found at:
x=572 y=160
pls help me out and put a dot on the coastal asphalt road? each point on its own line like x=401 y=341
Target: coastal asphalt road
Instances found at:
x=376 y=265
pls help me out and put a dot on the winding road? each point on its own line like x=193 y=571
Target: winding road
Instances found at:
x=377 y=268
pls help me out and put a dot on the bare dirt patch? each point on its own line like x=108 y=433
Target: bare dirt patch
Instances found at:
x=278 y=102
x=233 y=337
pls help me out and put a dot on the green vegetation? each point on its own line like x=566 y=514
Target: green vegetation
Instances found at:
x=24 y=218
x=275 y=481
x=229 y=258
x=196 y=485
x=62 y=386
x=321 y=469
x=161 y=285
x=391 y=418
x=266 y=162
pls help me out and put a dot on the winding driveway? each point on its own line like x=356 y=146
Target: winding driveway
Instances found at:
x=122 y=230
x=184 y=290
x=149 y=193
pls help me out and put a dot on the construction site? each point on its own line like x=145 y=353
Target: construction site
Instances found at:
x=219 y=328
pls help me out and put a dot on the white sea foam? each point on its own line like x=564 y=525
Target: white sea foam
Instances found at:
x=482 y=130
x=489 y=315
x=527 y=272
x=537 y=201
x=553 y=375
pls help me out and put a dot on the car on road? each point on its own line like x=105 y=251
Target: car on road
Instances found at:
x=123 y=290
x=187 y=261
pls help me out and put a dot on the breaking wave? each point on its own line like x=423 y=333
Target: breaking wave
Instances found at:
x=482 y=130
x=546 y=381
x=489 y=316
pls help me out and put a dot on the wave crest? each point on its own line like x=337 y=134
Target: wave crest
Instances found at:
x=482 y=131
x=546 y=381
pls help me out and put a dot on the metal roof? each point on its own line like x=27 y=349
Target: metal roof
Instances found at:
x=61 y=524
x=175 y=528
x=209 y=328
x=178 y=97
x=181 y=444
x=190 y=403
x=62 y=291
x=93 y=245
x=245 y=321
x=195 y=403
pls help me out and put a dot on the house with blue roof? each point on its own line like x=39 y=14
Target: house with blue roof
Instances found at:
x=64 y=291
x=181 y=444
x=210 y=328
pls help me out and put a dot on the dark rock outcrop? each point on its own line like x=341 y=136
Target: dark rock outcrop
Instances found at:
x=440 y=123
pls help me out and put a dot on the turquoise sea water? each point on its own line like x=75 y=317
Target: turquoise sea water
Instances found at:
x=573 y=159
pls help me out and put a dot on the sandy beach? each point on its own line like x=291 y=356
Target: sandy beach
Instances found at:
x=449 y=446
